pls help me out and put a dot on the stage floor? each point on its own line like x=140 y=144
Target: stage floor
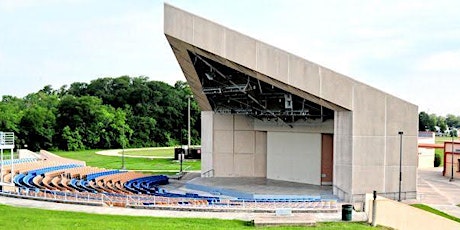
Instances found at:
x=250 y=188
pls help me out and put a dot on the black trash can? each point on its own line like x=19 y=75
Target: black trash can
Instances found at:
x=346 y=212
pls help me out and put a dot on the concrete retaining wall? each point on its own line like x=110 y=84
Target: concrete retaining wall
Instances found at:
x=402 y=216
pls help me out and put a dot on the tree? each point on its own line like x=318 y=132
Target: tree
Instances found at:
x=102 y=114
x=98 y=125
x=423 y=121
x=11 y=113
x=432 y=122
x=72 y=140
x=441 y=122
x=454 y=133
x=37 y=127
x=452 y=120
x=78 y=89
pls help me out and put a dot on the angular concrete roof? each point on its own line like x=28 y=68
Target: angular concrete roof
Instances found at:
x=192 y=36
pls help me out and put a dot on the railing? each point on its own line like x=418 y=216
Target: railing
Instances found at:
x=59 y=196
x=209 y=173
x=229 y=204
x=152 y=201
x=6 y=139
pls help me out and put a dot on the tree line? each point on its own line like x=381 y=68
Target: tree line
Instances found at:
x=434 y=123
x=105 y=113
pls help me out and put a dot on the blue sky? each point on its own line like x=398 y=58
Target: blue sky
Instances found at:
x=410 y=49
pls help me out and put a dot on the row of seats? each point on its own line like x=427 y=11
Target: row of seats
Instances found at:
x=18 y=161
x=146 y=185
x=63 y=178
x=301 y=199
x=26 y=180
x=59 y=176
x=21 y=168
x=78 y=178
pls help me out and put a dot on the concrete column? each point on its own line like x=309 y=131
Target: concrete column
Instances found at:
x=343 y=154
x=207 y=141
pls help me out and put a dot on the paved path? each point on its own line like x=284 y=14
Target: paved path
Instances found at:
x=436 y=191
x=117 y=153
x=164 y=213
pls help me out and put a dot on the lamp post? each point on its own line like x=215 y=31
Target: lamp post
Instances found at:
x=400 y=163
x=123 y=148
x=182 y=155
x=452 y=158
x=188 y=122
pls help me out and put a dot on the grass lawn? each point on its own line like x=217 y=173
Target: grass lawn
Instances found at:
x=435 y=211
x=7 y=154
x=157 y=152
x=109 y=162
x=441 y=154
x=440 y=140
x=31 y=218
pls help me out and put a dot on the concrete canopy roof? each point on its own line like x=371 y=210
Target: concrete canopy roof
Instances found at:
x=200 y=44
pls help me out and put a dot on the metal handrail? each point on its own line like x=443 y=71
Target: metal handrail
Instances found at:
x=209 y=173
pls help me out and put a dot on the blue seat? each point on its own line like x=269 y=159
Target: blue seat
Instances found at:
x=27 y=179
x=146 y=185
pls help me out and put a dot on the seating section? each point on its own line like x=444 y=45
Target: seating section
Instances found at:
x=72 y=180
x=24 y=167
x=146 y=185
x=26 y=179
x=62 y=176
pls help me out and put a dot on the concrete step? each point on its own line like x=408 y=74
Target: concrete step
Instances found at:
x=293 y=220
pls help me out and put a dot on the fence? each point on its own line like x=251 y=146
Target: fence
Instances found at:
x=153 y=201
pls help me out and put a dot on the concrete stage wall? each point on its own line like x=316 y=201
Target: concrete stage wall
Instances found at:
x=365 y=124
x=294 y=157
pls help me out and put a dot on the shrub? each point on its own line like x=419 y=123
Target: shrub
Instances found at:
x=437 y=160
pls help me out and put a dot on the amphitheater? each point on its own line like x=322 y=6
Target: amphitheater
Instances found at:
x=48 y=177
x=281 y=136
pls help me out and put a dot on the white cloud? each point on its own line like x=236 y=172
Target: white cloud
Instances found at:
x=447 y=61
x=402 y=47
x=15 y=4
x=10 y=5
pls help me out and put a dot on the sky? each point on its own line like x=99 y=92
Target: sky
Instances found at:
x=410 y=49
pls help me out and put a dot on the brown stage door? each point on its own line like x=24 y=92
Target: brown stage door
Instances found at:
x=327 y=163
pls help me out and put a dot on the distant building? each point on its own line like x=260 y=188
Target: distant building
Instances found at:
x=426 y=150
x=449 y=148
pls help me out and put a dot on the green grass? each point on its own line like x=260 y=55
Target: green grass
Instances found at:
x=113 y=162
x=435 y=211
x=440 y=140
x=7 y=154
x=441 y=154
x=340 y=225
x=31 y=218
x=157 y=152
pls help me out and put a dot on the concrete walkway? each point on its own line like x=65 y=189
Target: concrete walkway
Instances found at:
x=436 y=191
x=245 y=216
x=117 y=153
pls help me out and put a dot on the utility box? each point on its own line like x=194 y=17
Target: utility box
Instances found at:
x=192 y=153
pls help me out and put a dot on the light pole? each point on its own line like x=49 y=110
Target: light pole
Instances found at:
x=182 y=155
x=400 y=163
x=452 y=158
x=188 y=123
x=123 y=148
